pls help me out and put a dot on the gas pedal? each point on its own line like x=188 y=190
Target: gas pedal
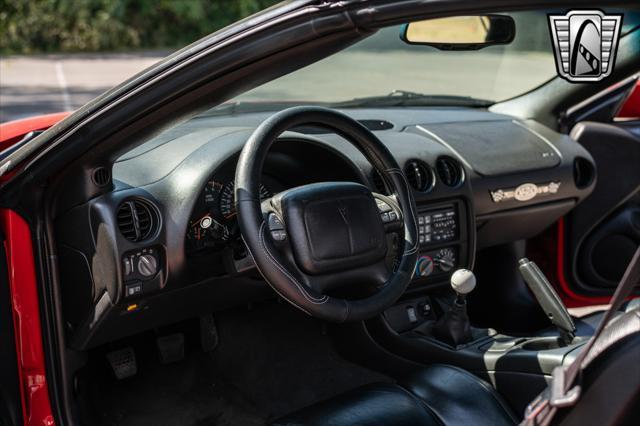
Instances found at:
x=208 y=333
x=123 y=362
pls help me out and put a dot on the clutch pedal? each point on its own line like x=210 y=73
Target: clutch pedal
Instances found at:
x=123 y=362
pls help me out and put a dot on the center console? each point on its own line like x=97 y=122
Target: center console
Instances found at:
x=435 y=328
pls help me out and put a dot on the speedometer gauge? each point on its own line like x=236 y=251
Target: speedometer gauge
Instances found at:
x=211 y=192
x=227 y=202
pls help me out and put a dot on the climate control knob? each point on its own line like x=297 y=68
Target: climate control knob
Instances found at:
x=424 y=266
x=445 y=259
x=147 y=265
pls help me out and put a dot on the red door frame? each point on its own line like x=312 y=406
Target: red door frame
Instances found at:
x=34 y=391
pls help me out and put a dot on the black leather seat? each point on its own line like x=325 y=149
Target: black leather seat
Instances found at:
x=435 y=395
x=447 y=395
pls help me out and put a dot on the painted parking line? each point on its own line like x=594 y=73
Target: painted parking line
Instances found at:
x=64 y=87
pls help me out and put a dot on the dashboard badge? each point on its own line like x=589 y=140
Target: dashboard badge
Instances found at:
x=524 y=192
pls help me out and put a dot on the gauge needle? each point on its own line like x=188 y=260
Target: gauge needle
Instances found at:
x=231 y=215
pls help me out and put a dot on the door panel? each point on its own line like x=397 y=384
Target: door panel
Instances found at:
x=602 y=233
x=608 y=249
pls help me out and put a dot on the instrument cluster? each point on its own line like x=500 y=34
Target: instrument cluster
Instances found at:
x=213 y=223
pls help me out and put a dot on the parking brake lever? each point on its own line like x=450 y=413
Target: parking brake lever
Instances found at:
x=548 y=299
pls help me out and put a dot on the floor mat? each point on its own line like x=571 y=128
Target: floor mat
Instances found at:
x=282 y=361
x=270 y=361
x=185 y=393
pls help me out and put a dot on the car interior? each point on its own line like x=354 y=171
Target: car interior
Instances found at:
x=374 y=261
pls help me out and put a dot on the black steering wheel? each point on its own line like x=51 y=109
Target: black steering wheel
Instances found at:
x=314 y=239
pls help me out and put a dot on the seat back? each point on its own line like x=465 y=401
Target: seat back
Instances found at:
x=611 y=379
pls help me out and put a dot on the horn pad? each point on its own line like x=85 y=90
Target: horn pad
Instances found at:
x=332 y=226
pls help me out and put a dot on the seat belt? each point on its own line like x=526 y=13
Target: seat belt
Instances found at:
x=563 y=390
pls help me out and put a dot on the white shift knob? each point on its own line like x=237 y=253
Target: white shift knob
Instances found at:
x=463 y=281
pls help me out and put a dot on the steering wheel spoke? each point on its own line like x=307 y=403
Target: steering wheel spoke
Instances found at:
x=390 y=212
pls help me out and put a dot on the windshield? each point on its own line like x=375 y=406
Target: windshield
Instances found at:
x=383 y=64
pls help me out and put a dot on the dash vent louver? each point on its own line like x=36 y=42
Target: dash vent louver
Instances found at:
x=449 y=171
x=101 y=176
x=584 y=172
x=419 y=175
x=137 y=220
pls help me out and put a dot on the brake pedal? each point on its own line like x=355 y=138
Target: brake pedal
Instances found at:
x=208 y=333
x=123 y=362
x=171 y=348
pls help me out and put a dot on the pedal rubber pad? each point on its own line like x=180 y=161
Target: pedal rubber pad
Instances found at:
x=171 y=348
x=123 y=362
x=208 y=333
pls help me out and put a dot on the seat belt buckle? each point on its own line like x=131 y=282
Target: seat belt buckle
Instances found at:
x=536 y=411
x=558 y=396
x=541 y=410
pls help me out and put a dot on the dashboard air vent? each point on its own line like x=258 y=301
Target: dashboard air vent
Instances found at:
x=101 y=176
x=419 y=175
x=136 y=220
x=378 y=182
x=449 y=171
x=583 y=172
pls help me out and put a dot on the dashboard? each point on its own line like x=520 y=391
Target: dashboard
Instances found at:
x=163 y=240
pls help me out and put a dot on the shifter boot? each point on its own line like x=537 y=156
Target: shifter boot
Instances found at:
x=454 y=327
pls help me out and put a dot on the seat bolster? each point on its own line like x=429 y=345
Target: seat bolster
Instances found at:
x=380 y=404
x=457 y=396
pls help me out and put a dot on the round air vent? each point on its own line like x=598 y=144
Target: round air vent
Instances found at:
x=378 y=182
x=583 y=172
x=419 y=175
x=137 y=220
x=101 y=176
x=449 y=171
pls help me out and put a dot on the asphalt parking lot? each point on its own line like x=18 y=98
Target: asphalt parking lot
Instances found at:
x=32 y=85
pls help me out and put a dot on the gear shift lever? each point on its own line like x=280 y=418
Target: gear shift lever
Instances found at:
x=454 y=327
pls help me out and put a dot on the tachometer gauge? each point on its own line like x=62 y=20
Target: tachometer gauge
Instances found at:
x=227 y=204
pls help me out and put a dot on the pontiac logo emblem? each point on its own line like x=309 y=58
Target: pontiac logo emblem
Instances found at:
x=585 y=44
x=344 y=212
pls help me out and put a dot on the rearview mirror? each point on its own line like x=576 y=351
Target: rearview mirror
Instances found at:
x=461 y=32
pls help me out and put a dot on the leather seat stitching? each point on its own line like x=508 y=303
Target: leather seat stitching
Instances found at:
x=422 y=403
x=471 y=378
